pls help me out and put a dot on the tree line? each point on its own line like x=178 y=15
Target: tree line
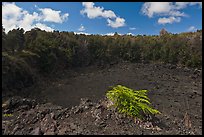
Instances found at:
x=25 y=54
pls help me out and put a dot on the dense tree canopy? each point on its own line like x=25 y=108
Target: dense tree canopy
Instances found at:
x=37 y=51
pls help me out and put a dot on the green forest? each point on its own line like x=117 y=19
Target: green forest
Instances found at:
x=37 y=52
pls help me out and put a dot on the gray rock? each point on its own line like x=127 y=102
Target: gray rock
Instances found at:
x=16 y=102
x=78 y=110
x=73 y=126
x=49 y=133
x=48 y=125
x=102 y=124
x=36 y=131
x=62 y=131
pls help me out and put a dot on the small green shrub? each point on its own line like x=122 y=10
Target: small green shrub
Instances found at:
x=131 y=102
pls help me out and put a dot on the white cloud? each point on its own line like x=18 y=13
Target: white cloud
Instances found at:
x=43 y=27
x=88 y=4
x=111 y=34
x=65 y=16
x=93 y=12
x=177 y=13
x=14 y=17
x=170 y=9
x=181 y=5
x=132 y=28
x=169 y=20
x=195 y=3
x=129 y=34
x=10 y=15
x=82 y=33
x=9 y=24
x=166 y=8
x=51 y=15
x=152 y=8
x=10 y=10
x=109 y=14
x=81 y=28
x=192 y=28
x=27 y=21
x=119 y=22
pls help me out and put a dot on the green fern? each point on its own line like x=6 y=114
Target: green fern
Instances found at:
x=131 y=102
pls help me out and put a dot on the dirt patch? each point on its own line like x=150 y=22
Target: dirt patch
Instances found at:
x=175 y=92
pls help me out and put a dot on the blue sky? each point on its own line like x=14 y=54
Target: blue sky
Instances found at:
x=104 y=17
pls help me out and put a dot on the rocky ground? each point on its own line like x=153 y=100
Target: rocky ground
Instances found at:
x=76 y=103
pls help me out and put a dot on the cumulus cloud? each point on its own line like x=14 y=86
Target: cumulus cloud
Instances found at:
x=51 y=15
x=166 y=8
x=169 y=20
x=192 y=28
x=10 y=15
x=93 y=11
x=181 y=5
x=14 y=17
x=109 y=14
x=171 y=10
x=43 y=27
x=81 y=28
x=27 y=21
x=152 y=8
x=10 y=10
x=118 y=22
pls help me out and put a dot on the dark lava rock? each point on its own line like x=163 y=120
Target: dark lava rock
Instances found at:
x=102 y=124
x=36 y=131
x=73 y=126
x=16 y=102
x=88 y=118
x=48 y=125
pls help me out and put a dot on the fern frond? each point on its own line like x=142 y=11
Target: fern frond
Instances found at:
x=131 y=102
